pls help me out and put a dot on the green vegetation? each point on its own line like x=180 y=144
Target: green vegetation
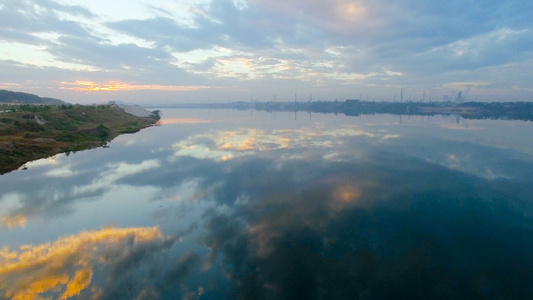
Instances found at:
x=29 y=132
x=19 y=97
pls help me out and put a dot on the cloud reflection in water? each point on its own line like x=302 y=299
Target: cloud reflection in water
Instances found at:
x=65 y=267
x=225 y=145
x=335 y=212
x=389 y=227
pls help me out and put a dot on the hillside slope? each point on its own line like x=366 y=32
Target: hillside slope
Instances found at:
x=29 y=132
x=19 y=97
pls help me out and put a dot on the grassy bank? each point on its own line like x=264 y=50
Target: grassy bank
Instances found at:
x=29 y=132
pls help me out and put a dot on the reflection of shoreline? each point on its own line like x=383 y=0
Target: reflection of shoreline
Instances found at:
x=171 y=121
x=33 y=132
x=468 y=110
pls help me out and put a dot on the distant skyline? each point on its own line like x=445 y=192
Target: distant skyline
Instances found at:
x=151 y=52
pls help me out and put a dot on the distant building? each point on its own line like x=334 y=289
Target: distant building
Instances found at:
x=459 y=97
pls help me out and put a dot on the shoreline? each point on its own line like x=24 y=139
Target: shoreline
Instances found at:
x=468 y=110
x=30 y=132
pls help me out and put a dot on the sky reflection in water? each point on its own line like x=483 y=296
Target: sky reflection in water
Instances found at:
x=220 y=204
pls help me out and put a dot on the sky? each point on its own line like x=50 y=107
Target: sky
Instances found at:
x=201 y=51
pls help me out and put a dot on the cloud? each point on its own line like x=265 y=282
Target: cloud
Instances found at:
x=166 y=32
x=464 y=85
x=386 y=49
x=114 y=173
x=485 y=50
x=60 y=197
x=117 y=86
x=12 y=221
x=27 y=22
x=383 y=219
x=330 y=230
x=332 y=46
x=73 y=266
x=65 y=267
x=338 y=17
x=477 y=160
x=226 y=145
x=104 y=55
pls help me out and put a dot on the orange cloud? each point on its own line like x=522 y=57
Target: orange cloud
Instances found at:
x=250 y=140
x=13 y=221
x=63 y=267
x=117 y=86
x=81 y=280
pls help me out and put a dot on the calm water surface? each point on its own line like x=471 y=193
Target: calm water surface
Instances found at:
x=255 y=205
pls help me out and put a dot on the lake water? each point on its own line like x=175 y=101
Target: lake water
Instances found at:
x=254 y=205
